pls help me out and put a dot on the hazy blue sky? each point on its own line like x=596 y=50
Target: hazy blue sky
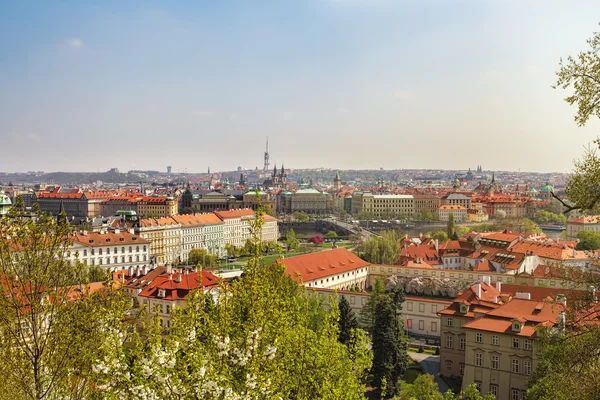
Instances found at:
x=90 y=85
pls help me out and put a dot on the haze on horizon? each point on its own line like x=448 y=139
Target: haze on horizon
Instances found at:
x=348 y=84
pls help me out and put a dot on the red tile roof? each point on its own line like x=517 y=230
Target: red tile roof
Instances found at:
x=322 y=264
x=178 y=285
x=97 y=239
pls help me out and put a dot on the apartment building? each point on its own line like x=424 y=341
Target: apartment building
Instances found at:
x=420 y=313
x=76 y=203
x=383 y=205
x=488 y=335
x=201 y=231
x=172 y=288
x=585 y=223
x=236 y=226
x=112 y=250
x=426 y=202
x=157 y=207
x=421 y=316
x=459 y=212
x=165 y=237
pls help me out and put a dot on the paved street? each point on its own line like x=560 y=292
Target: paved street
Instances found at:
x=431 y=365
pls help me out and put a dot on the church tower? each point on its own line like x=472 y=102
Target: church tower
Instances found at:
x=283 y=177
x=275 y=177
x=337 y=181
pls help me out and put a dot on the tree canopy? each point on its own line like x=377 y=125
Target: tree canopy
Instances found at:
x=588 y=240
x=581 y=75
x=383 y=249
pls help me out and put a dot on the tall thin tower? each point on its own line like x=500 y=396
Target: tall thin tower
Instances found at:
x=266 y=167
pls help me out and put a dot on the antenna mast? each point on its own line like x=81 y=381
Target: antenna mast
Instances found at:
x=266 y=167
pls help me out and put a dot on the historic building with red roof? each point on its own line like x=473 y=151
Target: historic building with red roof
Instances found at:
x=331 y=269
x=489 y=332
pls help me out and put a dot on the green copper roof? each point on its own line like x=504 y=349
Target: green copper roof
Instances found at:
x=548 y=188
x=5 y=200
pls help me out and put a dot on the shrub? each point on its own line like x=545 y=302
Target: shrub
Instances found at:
x=437 y=351
x=421 y=349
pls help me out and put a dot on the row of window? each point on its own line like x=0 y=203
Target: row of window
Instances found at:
x=106 y=261
x=422 y=325
x=515 y=394
x=116 y=250
x=517 y=366
x=409 y=307
x=516 y=342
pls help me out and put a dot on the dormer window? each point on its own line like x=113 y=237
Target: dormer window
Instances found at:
x=516 y=327
x=161 y=293
x=464 y=308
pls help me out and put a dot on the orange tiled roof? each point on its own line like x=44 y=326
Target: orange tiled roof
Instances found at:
x=178 y=285
x=245 y=212
x=97 y=239
x=318 y=265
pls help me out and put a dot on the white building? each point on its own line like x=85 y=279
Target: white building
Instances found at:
x=201 y=231
x=330 y=269
x=236 y=226
x=586 y=223
x=113 y=250
x=460 y=212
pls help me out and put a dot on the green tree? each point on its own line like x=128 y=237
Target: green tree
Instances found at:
x=581 y=74
x=347 y=321
x=568 y=364
x=291 y=241
x=440 y=236
x=367 y=313
x=301 y=216
x=462 y=231
x=423 y=388
x=389 y=345
x=528 y=226
x=425 y=215
x=97 y=274
x=450 y=225
x=231 y=250
x=202 y=257
x=546 y=217
x=383 y=249
x=48 y=328
x=588 y=240
x=331 y=235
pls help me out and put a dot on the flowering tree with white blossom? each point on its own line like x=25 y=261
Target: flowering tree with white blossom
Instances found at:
x=258 y=342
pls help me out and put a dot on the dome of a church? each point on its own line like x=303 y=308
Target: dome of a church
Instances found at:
x=548 y=188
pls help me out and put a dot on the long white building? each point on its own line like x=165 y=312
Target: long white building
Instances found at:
x=114 y=250
x=236 y=226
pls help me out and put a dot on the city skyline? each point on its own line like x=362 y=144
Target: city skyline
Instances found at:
x=335 y=84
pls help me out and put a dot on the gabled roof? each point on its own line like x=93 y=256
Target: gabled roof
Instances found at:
x=178 y=285
x=322 y=264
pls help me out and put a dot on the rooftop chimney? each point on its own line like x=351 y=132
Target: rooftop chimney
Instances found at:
x=561 y=299
x=437 y=245
x=499 y=286
x=523 y=295
x=130 y=271
x=478 y=290
x=169 y=268
x=574 y=253
x=593 y=292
